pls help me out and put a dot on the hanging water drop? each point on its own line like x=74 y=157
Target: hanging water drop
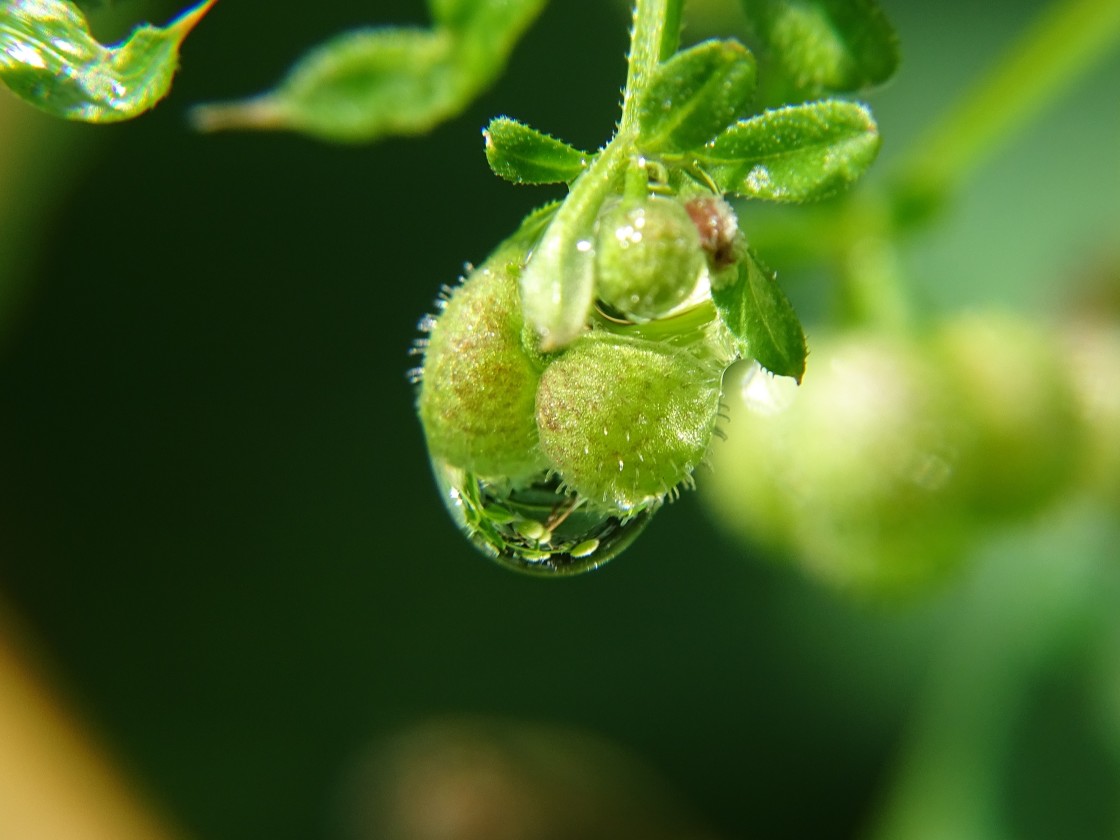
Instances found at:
x=537 y=528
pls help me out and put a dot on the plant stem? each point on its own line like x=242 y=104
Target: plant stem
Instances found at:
x=1021 y=616
x=1061 y=43
x=654 y=35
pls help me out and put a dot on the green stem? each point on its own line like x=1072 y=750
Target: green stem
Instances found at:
x=1022 y=616
x=1060 y=44
x=1065 y=39
x=653 y=36
x=871 y=288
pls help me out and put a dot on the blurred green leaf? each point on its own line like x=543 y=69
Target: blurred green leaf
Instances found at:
x=49 y=58
x=524 y=155
x=759 y=315
x=358 y=86
x=372 y=83
x=827 y=46
x=799 y=153
x=496 y=24
x=452 y=13
x=695 y=95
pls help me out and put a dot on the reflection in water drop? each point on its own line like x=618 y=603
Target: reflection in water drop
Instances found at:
x=539 y=528
x=931 y=470
x=758 y=179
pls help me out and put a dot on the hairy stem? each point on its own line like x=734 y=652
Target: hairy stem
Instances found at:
x=653 y=37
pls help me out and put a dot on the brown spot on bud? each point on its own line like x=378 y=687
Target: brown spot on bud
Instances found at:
x=718 y=228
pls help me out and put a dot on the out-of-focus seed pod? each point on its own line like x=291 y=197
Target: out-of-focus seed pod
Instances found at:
x=648 y=257
x=1014 y=393
x=899 y=453
x=856 y=479
x=478 y=387
x=624 y=420
x=1092 y=352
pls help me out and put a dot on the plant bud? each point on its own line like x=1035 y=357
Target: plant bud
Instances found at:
x=478 y=387
x=718 y=228
x=649 y=257
x=624 y=420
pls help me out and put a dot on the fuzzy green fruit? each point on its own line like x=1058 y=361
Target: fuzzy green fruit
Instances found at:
x=624 y=421
x=478 y=387
x=648 y=257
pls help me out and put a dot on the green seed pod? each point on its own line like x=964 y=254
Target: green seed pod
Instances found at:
x=648 y=257
x=624 y=420
x=478 y=385
x=1017 y=395
x=858 y=477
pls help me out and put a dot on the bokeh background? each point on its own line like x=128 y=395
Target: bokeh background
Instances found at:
x=220 y=539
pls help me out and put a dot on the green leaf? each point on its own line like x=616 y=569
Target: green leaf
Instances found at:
x=757 y=313
x=799 y=153
x=358 y=86
x=455 y=14
x=524 y=155
x=49 y=58
x=367 y=84
x=491 y=21
x=695 y=95
x=827 y=46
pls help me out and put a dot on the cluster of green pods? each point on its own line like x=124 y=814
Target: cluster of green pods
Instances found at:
x=553 y=462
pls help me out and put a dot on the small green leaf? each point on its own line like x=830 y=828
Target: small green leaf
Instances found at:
x=827 y=46
x=757 y=313
x=490 y=21
x=452 y=13
x=695 y=95
x=49 y=58
x=357 y=86
x=372 y=83
x=524 y=155
x=799 y=153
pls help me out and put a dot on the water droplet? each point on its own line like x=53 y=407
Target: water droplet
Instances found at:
x=758 y=179
x=764 y=393
x=539 y=528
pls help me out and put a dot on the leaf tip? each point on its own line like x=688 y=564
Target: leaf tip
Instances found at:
x=187 y=21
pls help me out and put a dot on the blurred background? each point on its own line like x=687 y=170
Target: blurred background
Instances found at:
x=221 y=545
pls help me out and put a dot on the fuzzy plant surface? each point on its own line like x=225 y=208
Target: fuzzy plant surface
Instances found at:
x=571 y=383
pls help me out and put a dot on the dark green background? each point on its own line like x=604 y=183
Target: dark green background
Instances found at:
x=217 y=521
